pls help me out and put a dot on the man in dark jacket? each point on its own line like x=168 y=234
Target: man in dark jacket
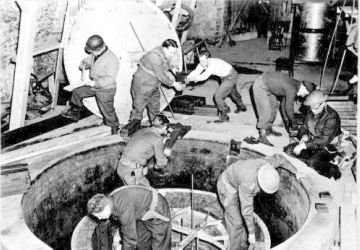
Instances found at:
x=267 y=89
x=141 y=214
x=143 y=145
x=321 y=126
x=153 y=70
x=238 y=185
x=104 y=66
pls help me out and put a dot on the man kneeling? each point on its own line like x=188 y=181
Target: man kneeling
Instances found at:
x=321 y=126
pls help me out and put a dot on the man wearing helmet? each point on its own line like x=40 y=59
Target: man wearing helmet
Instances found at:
x=104 y=66
x=267 y=89
x=322 y=124
x=239 y=184
x=141 y=214
x=143 y=145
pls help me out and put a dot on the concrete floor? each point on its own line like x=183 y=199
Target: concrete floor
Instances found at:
x=240 y=126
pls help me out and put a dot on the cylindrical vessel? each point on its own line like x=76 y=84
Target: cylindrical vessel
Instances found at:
x=312 y=45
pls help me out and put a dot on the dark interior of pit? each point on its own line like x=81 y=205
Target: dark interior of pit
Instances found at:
x=57 y=199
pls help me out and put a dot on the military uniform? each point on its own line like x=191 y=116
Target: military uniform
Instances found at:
x=152 y=71
x=103 y=71
x=267 y=89
x=143 y=218
x=238 y=185
x=144 y=144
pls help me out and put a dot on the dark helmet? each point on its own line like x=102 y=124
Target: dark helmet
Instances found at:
x=310 y=86
x=160 y=120
x=94 y=43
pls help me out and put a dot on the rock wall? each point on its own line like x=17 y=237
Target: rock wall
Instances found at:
x=50 y=17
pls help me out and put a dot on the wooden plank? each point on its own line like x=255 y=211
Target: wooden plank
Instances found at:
x=24 y=60
x=13 y=192
x=338 y=97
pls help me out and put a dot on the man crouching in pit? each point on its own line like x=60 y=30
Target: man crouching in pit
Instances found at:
x=141 y=214
x=143 y=145
x=321 y=126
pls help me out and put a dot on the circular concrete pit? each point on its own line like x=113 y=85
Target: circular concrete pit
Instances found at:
x=56 y=201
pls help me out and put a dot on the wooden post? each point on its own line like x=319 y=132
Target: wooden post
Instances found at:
x=24 y=59
x=184 y=34
x=59 y=59
x=175 y=17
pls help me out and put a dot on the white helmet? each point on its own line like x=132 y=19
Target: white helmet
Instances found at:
x=268 y=178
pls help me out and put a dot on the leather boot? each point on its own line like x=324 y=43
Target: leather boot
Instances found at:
x=222 y=118
x=271 y=131
x=240 y=108
x=263 y=139
x=73 y=113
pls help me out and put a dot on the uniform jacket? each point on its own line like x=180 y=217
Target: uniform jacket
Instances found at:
x=103 y=69
x=320 y=129
x=156 y=62
x=144 y=144
x=129 y=205
x=242 y=176
x=283 y=86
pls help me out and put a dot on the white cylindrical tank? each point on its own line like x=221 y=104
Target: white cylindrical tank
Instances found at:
x=129 y=28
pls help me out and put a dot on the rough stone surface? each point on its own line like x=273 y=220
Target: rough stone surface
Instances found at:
x=57 y=199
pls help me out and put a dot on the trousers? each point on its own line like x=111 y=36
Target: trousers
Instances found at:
x=266 y=104
x=104 y=99
x=233 y=220
x=146 y=94
x=227 y=88
x=132 y=176
x=155 y=233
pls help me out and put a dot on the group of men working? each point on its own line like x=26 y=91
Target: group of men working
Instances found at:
x=143 y=214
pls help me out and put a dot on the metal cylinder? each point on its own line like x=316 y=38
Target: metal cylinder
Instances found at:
x=312 y=15
x=311 y=32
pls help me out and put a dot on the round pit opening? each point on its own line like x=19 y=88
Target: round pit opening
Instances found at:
x=56 y=201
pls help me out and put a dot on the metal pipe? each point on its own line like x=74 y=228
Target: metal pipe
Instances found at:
x=167 y=102
x=192 y=202
x=339 y=72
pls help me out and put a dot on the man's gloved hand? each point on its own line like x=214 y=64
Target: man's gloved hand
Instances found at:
x=299 y=148
x=167 y=152
x=305 y=138
x=178 y=86
x=251 y=239
x=180 y=77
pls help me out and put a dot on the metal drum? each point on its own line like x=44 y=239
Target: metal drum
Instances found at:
x=311 y=42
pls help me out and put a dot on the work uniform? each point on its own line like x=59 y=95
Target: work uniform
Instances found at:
x=144 y=144
x=267 y=88
x=227 y=87
x=321 y=130
x=103 y=71
x=152 y=71
x=237 y=187
x=143 y=216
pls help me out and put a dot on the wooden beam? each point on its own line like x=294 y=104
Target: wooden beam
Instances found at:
x=24 y=60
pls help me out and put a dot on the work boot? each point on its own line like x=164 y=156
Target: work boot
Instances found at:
x=271 y=131
x=222 y=118
x=263 y=139
x=114 y=130
x=73 y=113
x=240 y=108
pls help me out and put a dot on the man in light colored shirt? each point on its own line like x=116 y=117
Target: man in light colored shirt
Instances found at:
x=214 y=66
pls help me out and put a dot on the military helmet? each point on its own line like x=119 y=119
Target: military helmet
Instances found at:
x=316 y=97
x=268 y=178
